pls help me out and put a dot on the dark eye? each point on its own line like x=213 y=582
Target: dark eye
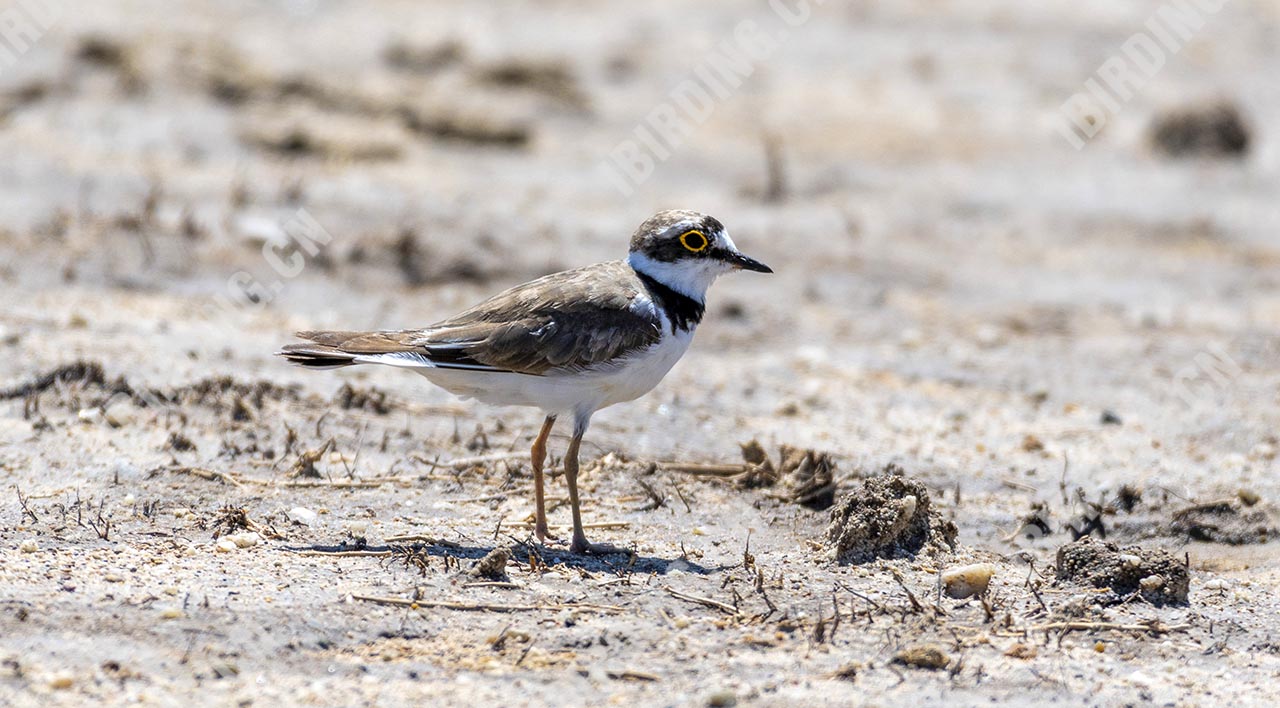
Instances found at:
x=694 y=241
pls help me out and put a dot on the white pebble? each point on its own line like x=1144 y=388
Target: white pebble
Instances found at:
x=302 y=515
x=248 y=539
x=121 y=413
x=225 y=546
x=1151 y=583
x=29 y=546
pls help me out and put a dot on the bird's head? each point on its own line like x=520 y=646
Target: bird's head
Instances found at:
x=686 y=251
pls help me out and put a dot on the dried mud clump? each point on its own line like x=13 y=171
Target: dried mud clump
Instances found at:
x=83 y=373
x=1216 y=130
x=1156 y=575
x=493 y=566
x=372 y=400
x=887 y=517
x=925 y=656
x=808 y=476
x=1228 y=521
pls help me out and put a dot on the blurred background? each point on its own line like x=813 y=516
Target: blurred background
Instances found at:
x=906 y=167
x=1020 y=247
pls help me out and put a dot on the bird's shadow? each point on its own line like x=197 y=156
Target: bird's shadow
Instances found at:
x=527 y=553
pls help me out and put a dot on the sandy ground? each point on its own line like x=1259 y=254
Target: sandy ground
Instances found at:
x=1049 y=340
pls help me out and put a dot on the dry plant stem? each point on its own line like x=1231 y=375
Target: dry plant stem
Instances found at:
x=463 y=463
x=485 y=607
x=706 y=602
x=703 y=470
x=1155 y=627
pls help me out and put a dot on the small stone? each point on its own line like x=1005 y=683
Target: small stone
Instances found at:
x=722 y=699
x=113 y=578
x=1021 y=651
x=225 y=546
x=968 y=580
x=121 y=413
x=171 y=613
x=1151 y=583
x=302 y=515
x=29 y=546
x=1110 y=418
x=247 y=539
x=62 y=682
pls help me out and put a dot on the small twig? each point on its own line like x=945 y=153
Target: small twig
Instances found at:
x=599 y=525
x=211 y=475
x=706 y=602
x=915 y=604
x=1153 y=627
x=704 y=470
x=463 y=463
x=485 y=607
x=345 y=554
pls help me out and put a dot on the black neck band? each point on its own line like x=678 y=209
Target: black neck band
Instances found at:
x=683 y=311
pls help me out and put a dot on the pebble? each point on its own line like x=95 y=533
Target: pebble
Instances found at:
x=226 y=545
x=61 y=682
x=121 y=413
x=28 y=546
x=968 y=580
x=247 y=539
x=722 y=699
x=302 y=515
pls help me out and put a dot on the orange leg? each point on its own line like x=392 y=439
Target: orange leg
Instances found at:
x=539 y=455
x=580 y=543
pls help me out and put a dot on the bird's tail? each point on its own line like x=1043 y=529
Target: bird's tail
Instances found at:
x=334 y=350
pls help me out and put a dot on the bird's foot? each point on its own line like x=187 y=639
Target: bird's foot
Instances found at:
x=581 y=545
x=543 y=535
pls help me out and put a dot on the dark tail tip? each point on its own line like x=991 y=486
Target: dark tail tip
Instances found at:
x=313 y=356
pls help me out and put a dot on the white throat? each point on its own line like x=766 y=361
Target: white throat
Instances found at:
x=690 y=278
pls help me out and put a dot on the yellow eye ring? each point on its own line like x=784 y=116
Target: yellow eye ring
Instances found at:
x=694 y=241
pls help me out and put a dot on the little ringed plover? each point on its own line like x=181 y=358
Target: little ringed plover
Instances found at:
x=568 y=344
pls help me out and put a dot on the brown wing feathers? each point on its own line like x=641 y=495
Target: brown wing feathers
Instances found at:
x=570 y=320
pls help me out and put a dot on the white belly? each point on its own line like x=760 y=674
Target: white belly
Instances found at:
x=568 y=392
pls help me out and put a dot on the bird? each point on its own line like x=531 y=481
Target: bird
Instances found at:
x=569 y=344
